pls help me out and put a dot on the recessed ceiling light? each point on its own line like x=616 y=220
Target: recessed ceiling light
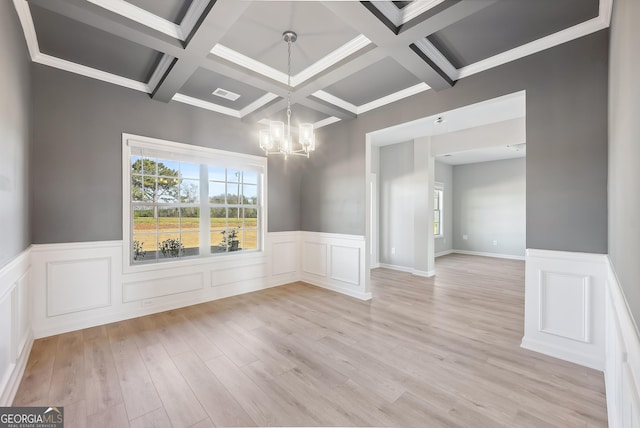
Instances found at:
x=223 y=93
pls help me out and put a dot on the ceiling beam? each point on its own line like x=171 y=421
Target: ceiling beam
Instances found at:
x=218 y=20
x=102 y=19
x=302 y=93
x=398 y=46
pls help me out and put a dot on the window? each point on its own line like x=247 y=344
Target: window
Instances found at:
x=189 y=202
x=437 y=210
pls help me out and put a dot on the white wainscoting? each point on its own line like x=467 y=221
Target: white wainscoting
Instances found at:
x=80 y=285
x=16 y=336
x=565 y=306
x=335 y=262
x=622 y=371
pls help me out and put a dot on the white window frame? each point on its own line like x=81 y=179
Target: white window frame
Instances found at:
x=196 y=154
x=439 y=188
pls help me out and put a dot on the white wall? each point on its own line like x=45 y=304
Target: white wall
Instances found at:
x=489 y=203
x=444 y=175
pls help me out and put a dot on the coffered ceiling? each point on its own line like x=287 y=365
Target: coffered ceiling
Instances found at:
x=228 y=56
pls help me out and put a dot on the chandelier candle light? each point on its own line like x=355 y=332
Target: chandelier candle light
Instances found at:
x=277 y=139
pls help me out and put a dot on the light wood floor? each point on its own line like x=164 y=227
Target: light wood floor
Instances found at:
x=424 y=353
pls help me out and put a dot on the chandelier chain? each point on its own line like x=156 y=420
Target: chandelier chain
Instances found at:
x=289 y=42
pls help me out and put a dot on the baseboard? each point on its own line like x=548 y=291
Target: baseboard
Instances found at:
x=318 y=282
x=15 y=377
x=483 y=254
x=444 y=253
x=562 y=353
x=622 y=370
x=426 y=274
x=396 y=267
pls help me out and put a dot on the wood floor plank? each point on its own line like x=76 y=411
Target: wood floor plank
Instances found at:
x=221 y=407
x=155 y=419
x=68 y=379
x=102 y=388
x=35 y=384
x=112 y=417
x=262 y=408
x=442 y=351
x=138 y=391
x=182 y=406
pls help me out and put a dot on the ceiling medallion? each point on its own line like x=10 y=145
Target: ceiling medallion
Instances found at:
x=277 y=139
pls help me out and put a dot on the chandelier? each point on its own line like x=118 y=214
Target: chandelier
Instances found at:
x=277 y=139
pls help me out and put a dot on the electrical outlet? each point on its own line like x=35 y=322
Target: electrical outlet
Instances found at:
x=465 y=237
x=147 y=303
x=393 y=250
x=495 y=242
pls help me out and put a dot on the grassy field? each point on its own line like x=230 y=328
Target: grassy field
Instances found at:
x=171 y=227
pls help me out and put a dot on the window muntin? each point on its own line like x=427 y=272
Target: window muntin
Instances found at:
x=186 y=206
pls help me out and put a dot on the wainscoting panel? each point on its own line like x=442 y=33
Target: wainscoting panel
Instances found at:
x=564 y=306
x=286 y=259
x=162 y=286
x=314 y=258
x=336 y=262
x=239 y=274
x=345 y=264
x=16 y=336
x=622 y=372
x=78 y=285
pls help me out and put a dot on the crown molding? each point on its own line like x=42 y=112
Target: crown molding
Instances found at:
x=266 y=98
x=349 y=48
x=196 y=102
x=580 y=30
x=396 y=96
x=325 y=122
x=141 y=16
x=28 y=28
x=160 y=71
x=248 y=63
x=195 y=11
x=93 y=73
x=314 y=69
x=438 y=58
x=401 y=16
x=338 y=102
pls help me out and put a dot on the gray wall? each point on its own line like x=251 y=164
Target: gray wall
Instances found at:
x=14 y=135
x=566 y=146
x=624 y=150
x=77 y=150
x=489 y=204
x=444 y=175
x=396 y=206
